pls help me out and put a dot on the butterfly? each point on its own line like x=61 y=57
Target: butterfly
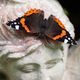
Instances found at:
x=33 y=21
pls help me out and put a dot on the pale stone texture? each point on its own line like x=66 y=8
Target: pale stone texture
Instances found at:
x=26 y=58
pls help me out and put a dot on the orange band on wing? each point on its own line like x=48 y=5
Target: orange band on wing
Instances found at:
x=23 y=25
x=59 y=36
x=59 y=22
x=32 y=11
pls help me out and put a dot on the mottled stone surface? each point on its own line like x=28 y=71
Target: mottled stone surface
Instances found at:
x=23 y=57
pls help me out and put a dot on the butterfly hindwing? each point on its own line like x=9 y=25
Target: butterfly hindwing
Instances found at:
x=57 y=32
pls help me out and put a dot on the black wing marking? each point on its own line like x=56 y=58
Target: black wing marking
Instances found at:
x=15 y=24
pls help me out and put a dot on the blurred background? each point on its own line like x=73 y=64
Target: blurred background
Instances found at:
x=73 y=9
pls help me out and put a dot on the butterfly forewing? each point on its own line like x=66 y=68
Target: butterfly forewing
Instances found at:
x=30 y=21
x=34 y=22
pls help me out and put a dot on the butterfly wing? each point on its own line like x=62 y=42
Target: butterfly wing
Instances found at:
x=34 y=20
x=30 y=21
x=57 y=32
x=15 y=23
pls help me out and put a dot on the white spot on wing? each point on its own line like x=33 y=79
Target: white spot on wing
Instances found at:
x=69 y=38
x=65 y=41
x=17 y=27
x=15 y=23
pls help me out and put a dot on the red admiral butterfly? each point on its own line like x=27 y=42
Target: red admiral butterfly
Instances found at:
x=33 y=22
